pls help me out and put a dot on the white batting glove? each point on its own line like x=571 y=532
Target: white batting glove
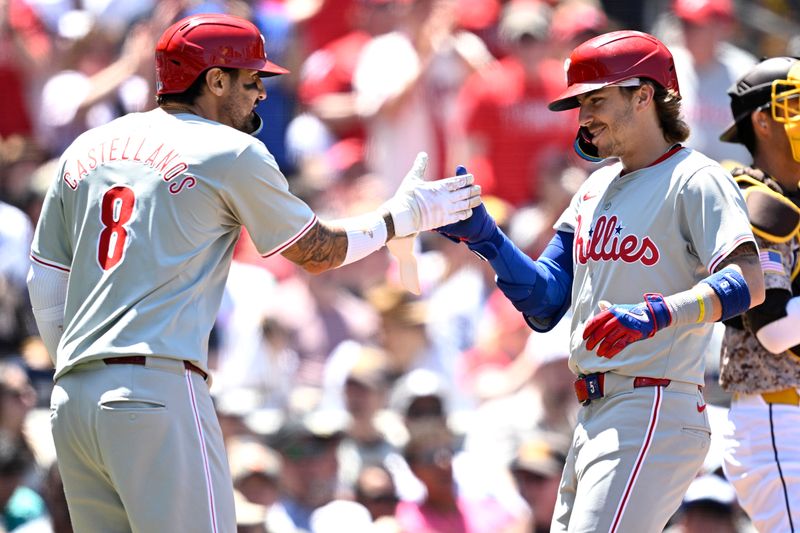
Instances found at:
x=420 y=205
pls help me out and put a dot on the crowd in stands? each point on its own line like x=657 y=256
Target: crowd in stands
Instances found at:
x=344 y=399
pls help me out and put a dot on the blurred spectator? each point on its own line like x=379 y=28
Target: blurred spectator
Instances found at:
x=326 y=77
x=453 y=55
x=420 y=396
x=321 y=21
x=375 y=490
x=367 y=439
x=576 y=21
x=429 y=453
x=255 y=470
x=250 y=517
x=16 y=317
x=57 y=518
x=307 y=444
x=709 y=505
x=456 y=298
x=16 y=233
x=24 y=51
x=403 y=334
x=539 y=397
x=97 y=85
x=707 y=64
x=17 y=398
x=509 y=130
x=503 y=336
x=283 y=45
x=531 y=226
x=255 y=351
x=391 y=98
x=319 y=314
x=19 y=503
x=537 y=470
x=423 y=400
x=331 y=517
x=233 y=408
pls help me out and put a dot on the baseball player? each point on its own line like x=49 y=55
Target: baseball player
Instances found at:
x=662 y=218
x=761 y=349
x=129 y=260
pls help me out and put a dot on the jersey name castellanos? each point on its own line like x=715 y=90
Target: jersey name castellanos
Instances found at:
x=662 y=228
x=144 y=214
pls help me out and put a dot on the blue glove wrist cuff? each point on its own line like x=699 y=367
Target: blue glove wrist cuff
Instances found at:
x=655 y=302
x=488 y=249
x=732 y=290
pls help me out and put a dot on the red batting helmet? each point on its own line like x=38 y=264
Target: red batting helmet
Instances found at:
x=199 y=42
x=612 y=58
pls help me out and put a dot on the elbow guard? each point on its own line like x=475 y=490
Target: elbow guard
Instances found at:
x=732 y=290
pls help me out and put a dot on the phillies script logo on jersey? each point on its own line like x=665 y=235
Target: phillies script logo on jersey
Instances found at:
x=607 y=243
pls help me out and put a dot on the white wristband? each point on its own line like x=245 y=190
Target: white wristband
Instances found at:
x=365 y=234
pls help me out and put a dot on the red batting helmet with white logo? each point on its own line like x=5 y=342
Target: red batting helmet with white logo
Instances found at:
x=199 y=42
x=612 y=58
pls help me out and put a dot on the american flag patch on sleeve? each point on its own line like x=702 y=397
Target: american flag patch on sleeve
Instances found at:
x=771 y=261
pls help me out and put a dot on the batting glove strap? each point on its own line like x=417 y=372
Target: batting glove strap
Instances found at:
x=659 y=309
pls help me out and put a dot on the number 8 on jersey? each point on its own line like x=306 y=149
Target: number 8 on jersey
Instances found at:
x=115 y=211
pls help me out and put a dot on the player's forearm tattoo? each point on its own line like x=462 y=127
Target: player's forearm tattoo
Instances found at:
x=321 y=249
x=743 y=254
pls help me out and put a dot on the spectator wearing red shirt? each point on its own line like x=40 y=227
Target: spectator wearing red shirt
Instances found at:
x=326 y=76
x=24 y=51
x=509 y=130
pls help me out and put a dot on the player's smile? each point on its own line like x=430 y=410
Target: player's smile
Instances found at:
x=595 y=132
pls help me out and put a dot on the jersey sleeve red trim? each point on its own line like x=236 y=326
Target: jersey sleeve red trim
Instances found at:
x=293 y=240
x=50 y=264
x=724 y=253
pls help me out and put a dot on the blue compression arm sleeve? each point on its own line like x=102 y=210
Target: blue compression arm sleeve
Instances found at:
x=539 y=289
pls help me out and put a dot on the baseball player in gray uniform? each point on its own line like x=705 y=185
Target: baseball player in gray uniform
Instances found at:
x=761 y=349
x=130 y=256
x=660 y=217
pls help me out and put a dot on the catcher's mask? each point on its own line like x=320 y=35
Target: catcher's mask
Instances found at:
x=785 y=101
x=775 y=84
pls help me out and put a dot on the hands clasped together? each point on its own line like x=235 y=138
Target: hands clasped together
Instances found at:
x=420 y=205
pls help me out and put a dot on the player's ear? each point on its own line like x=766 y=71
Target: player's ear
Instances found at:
x=216 y=80
x=644 y=95
x=760 y=120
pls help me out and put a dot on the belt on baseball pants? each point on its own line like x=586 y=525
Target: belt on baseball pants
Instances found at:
x=142 y=361
x=592 y=387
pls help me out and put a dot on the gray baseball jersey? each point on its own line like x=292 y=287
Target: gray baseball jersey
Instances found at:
x=148 y=208
x=651 y=230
